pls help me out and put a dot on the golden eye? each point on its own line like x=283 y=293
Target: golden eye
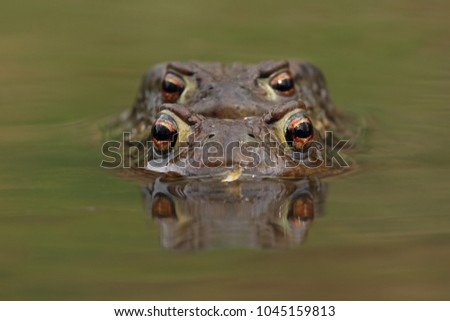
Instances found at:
x=299 y=131
x=164 y=134
x=283 y=83
x=172 y=87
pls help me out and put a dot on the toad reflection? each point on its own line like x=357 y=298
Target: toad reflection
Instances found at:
x=261 y=213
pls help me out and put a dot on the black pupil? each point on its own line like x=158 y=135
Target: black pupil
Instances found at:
x=302 y=130
x=285 y=84
x=162 y=133
x=170 y=87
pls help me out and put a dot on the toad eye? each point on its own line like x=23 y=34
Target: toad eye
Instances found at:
x=283 y=84
x=299 y=131
x=172 y=87
x=164 y=134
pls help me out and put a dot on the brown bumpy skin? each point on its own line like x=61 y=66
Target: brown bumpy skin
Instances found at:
x=234 y=102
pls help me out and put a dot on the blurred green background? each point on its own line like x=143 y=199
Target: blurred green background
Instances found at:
x=72 y=231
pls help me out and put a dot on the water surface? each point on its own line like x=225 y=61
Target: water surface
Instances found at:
x=71 y=230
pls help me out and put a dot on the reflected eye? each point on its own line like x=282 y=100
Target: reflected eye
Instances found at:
x=172 y=87
x=164 y=134
x=302 y=210
x=299 y=131
x=283 y=84
x=163 y=208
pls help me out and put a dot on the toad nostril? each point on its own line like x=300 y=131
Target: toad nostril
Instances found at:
x=251 y=135
x=210 y=136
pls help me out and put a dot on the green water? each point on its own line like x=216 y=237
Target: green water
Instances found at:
x=70 y=230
